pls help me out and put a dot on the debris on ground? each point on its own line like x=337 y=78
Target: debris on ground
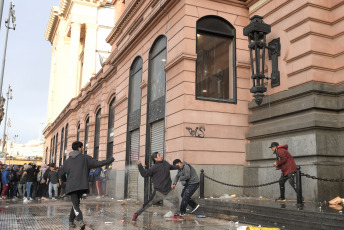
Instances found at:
x=336 y=200
x=225 y=196
x=169 y=214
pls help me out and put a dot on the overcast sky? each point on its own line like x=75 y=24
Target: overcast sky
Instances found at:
x=27 y=67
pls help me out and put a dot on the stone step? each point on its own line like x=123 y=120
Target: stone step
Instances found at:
x=271 y=216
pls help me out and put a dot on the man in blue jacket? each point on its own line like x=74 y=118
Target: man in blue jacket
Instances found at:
x=161 y=179
x=5 y=180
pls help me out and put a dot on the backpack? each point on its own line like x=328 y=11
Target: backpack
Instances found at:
x=22 y=178
x=91 y=176
x=11 y=176
x=102 y=174
x=45 y=175
x=39 y=176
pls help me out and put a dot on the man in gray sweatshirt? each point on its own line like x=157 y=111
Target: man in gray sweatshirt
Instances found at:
x=188 y=177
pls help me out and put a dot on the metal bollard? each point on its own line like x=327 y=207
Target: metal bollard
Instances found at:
x=201 y=185
x=298 y=185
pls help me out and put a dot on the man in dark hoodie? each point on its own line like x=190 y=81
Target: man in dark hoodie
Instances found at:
x=161 y=179
x=188 y=177
x=284 y=162
x=77 y=168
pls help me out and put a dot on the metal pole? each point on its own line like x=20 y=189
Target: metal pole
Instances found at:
x=5 y=49
x=3 y=139
x=201 y=185
x=298 y=186
x=1 y=9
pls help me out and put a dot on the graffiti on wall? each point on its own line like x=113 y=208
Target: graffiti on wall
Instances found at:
x=197 y=132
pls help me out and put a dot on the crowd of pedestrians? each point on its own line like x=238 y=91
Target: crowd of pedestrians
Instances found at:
x=30 y=182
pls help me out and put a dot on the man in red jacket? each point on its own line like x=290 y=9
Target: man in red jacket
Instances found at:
x=285 y=162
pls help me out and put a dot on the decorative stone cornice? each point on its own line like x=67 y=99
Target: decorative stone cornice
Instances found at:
x=123 y=20
x=62 y=10
x=52 y=23
x=179 y=58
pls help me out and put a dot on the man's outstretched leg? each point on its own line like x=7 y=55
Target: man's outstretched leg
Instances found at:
x=153 y=199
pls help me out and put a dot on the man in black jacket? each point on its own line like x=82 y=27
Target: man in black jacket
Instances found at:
x=161 y=179
x=77 y=168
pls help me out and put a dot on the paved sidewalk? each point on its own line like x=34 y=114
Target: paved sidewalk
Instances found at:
x=104 y=213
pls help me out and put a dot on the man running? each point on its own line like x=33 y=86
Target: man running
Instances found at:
x=77 y=167
x=161 y=179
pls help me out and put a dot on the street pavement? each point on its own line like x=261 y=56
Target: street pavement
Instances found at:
x=104 y=213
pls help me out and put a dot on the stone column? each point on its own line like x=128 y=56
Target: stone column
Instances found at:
x=74 y=58
x=89 y=67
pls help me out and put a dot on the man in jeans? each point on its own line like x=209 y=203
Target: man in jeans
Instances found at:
x=53 y=178
x=161 y=179
x=188 y=177
x=77 y=168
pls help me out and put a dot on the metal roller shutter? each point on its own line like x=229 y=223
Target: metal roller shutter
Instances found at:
x=133 y=171
x=157 y=137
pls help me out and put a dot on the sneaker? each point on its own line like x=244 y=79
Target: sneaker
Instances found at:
x=26 y=201
x=280 y=199
x=98 y=197
x=44 y=198
x=182 y=214
x=178 y=217
x=135 y=217
x=194 y=210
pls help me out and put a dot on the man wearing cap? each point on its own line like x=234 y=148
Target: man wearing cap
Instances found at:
x=285 y=162
x=161 y=179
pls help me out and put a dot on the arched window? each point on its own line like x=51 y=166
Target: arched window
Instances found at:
x=51 y=150
x=61 y=147
x=65 y=144
x=155 y=126
x=97 y=135
x=86 y=135
x=78 y=133
x=216 y=60
x=133 y=126
x=46 y=155
x=111 y=129
x=56 y=143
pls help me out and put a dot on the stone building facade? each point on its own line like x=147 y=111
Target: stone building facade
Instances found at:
x=178 y=81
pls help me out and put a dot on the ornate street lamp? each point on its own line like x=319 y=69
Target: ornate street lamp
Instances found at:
x=256 y=32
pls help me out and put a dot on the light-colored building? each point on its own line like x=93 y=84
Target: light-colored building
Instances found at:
x=178 y=81
x=32 y=149
x=77 y=30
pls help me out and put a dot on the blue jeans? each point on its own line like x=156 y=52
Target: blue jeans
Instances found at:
x=28 y=188
x=15 y=189
x=187 y=192
x=51 y=187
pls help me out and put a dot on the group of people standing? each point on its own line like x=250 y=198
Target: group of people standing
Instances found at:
x=31 y=182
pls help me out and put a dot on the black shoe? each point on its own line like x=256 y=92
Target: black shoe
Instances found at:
x=71 y=224
x=280 y=199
